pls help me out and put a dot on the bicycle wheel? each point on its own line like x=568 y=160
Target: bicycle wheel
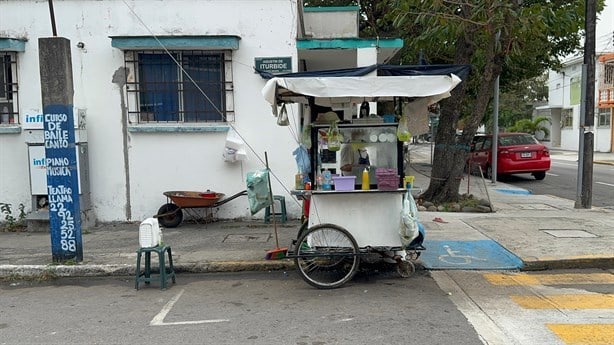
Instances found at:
x=327 y=256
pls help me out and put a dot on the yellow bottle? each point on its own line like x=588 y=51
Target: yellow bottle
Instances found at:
x=365 y=179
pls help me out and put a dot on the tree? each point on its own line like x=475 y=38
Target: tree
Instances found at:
x=531 y=126
x=513 y=40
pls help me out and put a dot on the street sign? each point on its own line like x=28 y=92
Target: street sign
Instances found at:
x=274 y=64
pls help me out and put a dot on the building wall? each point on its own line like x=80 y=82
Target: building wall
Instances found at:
x=157 y=161
x=562 y=94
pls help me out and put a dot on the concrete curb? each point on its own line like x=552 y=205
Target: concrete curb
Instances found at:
x=571 y=263
x=604 y=162
x=58 y=271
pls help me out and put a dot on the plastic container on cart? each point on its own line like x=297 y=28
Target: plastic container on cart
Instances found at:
x=344 y=182
x=387 y=179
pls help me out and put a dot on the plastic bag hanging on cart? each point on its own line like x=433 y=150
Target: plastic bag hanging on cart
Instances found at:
x=282 y=118
x=334 y=137
x=258 y=193
x=409 y=228
x=403 y=133
x=303 y=163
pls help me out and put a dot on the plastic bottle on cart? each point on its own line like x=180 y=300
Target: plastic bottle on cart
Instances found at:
x=365 y=179
x=328 y=180
x=319 y=180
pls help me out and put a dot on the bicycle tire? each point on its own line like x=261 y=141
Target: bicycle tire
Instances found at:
x=327 y=256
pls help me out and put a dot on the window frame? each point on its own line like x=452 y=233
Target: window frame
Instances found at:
x=604 y=117
x=566 y=118
x=9 y=88
x=224 y=102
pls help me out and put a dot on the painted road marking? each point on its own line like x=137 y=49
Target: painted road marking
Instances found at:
x=551 y=174
x=158 y=320
x=586 y=334
x=549 y=279
x=585 y=301
x=478 y=254
x=607 y=184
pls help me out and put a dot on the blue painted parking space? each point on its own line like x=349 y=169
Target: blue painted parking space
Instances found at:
x=468 y=255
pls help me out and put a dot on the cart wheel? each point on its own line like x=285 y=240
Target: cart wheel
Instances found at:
x=406 y=268
x=327 y=256
x=170 y=215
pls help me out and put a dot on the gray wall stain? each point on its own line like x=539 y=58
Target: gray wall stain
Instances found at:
x=119 y=78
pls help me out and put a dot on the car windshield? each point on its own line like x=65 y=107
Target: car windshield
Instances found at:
x=511 y=140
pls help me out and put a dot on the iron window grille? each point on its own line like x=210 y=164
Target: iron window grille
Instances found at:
x=183 y=86
x=604 y=117
x=8 y=88
x=566 y=118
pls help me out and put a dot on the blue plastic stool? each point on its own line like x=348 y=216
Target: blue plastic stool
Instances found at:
x=281 y=215
x=164 y=273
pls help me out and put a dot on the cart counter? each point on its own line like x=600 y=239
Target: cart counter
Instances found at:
x=372 y=216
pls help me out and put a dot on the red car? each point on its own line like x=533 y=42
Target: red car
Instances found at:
x=517 y=153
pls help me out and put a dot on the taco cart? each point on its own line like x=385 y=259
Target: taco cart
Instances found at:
x=358 y=201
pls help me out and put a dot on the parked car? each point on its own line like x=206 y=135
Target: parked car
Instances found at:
x=517 y=153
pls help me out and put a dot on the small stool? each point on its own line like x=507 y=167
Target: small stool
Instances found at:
x=282 y=215
x=164 y=273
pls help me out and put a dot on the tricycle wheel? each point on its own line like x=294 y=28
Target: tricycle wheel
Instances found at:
x=406 y=268
x=170 y=215
x=327 y=256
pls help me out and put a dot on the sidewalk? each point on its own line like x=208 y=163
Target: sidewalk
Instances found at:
x=544 y=232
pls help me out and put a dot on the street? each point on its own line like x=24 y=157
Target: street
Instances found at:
x=439 y=307
x=234 y=308
x=561 y=181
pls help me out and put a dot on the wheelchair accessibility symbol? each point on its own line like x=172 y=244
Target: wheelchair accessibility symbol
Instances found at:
x=452 y=257
x=464 y=255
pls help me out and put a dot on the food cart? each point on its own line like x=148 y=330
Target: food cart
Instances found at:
x=350 y=224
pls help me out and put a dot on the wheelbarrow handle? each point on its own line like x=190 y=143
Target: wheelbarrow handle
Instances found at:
x=223 y=201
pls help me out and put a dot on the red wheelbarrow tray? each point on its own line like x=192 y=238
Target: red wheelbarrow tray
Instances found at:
x=187 y=199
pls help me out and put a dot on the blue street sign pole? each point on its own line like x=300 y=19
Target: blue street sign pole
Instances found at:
x=62 y=183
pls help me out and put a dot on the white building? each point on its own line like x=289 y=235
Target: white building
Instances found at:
x=564 y=95
x=144 y=126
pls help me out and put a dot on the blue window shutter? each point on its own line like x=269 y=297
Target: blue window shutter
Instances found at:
x=158 y=83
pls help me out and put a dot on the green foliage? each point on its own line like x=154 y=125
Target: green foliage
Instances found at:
x=510 y=40
x=531 y=126
x=12 y=223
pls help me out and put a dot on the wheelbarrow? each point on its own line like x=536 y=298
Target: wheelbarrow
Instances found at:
x=170 y=215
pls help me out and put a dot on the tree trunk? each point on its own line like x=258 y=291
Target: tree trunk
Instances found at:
x=452 y=150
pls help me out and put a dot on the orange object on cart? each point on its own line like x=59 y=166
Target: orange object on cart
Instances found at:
x=306 y=202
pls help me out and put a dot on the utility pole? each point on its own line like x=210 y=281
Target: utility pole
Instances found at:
x=586 y=140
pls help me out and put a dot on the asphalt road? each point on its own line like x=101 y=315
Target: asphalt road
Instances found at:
x=233 y=308
x=561 y=181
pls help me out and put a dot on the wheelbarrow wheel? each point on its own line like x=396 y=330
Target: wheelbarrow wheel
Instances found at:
x=170 y=215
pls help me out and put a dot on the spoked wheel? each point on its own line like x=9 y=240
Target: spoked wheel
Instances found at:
x=170 y=215
x=327 y=256
x=406 y=268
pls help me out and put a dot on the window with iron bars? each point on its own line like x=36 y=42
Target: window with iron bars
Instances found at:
x=184 y=86
x=566 y=118
x=8 y=88
x=604 y=117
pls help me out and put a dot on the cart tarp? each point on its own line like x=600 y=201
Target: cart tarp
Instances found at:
x=337 y=87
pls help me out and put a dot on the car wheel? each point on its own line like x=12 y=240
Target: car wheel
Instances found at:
x=539 y=175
